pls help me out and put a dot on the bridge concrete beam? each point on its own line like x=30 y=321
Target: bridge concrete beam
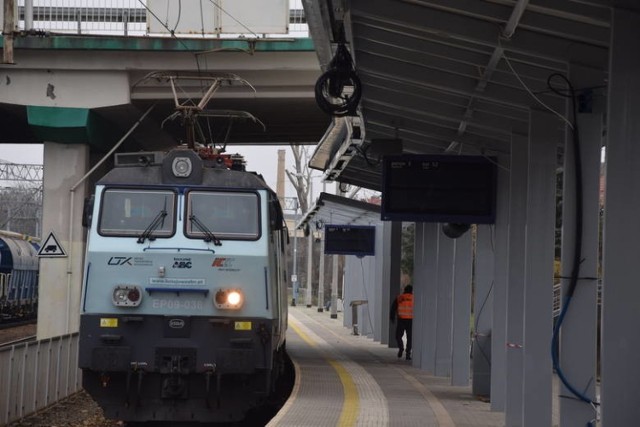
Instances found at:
x=64 y=88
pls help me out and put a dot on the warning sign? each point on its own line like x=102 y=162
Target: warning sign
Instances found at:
x=51 y=248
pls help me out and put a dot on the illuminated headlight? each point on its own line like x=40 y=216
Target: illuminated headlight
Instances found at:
x=231 y=299
x=181 y=167
x=126 y=296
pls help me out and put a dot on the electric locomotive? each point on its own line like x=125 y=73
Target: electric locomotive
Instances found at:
x=183 y=310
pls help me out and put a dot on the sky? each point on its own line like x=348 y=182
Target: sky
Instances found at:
x=263 y=159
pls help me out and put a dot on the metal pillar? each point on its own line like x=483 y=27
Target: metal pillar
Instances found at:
x=538 y=290
x=309 y=267
x=482 y=308
x=515 y=283
x=384 y=291
x=578 y=337
x=501 y=267
x=334 y=287
x=432 y=236
x=460 y=363
x=392 y=240
x=444 y=308
x=294 y=279
x=419 y=289
x=620 y=370
x=321 y=276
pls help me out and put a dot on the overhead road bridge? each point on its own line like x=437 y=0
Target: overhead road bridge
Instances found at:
x=91 y=85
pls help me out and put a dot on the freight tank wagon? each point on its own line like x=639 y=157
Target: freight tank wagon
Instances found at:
x=183 y=311
x=18 y=278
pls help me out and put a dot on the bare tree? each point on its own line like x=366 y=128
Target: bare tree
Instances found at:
x=301 y=176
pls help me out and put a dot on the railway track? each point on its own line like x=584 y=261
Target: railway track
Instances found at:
x=16 y=332
x=7 y=324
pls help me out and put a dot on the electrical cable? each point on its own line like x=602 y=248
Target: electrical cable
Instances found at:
x=330 y=88
x=577 y=248
x=477 y=320
x=178 y=18
x=524 y=85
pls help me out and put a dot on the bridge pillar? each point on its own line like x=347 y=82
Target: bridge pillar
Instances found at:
x=61 y=278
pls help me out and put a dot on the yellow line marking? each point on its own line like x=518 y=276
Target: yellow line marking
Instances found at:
x=442 y=415
x=351 y=406
x=302 y=335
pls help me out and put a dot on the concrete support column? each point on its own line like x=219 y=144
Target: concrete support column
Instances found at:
x=579 y=329
x=60 y=279
x=444 y=326
x=501 y=268
x=620 y=370
x=515 y=283
x=460 y=363
x=482 y=309
x=544 y=139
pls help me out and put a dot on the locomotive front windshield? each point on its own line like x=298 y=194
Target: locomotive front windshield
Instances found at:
x=126 y=212
x=228 y=215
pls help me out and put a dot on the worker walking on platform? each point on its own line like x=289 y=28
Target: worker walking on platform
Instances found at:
x=403 y=308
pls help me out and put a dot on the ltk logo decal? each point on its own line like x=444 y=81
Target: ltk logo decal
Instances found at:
x=119 y=260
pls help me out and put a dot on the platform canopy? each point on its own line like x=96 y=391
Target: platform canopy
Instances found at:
x=454 y=76
x=332 y=209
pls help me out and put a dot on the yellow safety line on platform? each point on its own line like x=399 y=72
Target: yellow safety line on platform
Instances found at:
x=351 y=406
x=442 y=415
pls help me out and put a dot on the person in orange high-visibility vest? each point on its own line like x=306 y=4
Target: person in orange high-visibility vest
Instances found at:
x=402 y=307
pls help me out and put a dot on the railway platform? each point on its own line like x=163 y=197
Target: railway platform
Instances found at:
x=347 y=380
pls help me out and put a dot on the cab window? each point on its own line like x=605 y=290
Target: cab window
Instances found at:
x=225 y=214
x=128 y=212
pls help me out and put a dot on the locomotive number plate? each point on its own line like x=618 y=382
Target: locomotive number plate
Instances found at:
x=243 y=326
x=109 y=323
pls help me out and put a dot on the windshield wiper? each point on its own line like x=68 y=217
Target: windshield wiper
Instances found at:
x=157 y=221
x=209 y=236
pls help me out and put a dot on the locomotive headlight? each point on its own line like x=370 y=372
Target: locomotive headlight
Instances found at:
x=231 y=299
x=181 y=167
x=126 y=296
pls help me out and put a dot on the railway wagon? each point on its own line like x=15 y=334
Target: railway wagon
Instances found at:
x=18 y=278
